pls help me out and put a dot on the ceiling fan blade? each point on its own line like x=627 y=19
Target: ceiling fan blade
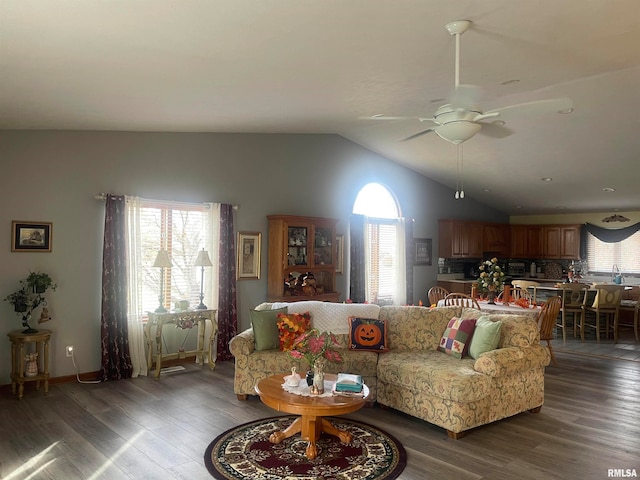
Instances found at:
x=386 y=117
x=419 y=134
x=495 y=130
x=552 y=105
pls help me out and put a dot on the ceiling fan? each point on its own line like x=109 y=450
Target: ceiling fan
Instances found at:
x=461 y=118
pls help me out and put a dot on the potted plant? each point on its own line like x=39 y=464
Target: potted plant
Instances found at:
x=19 y=299
x=39 y=282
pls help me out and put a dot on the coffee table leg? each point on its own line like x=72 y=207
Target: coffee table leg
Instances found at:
x=295 y=427
x=343 y=435
x=310 y=428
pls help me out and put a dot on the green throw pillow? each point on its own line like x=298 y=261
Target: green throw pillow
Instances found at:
x=485 y=338
x=265 y=328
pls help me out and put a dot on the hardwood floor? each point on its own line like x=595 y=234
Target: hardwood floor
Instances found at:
x=143 y=428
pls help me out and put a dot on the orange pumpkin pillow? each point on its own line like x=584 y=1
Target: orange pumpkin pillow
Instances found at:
x=367 y=334
x=290 y=327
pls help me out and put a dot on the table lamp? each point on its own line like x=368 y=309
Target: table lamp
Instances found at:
x=162 y=261
x=202 y=260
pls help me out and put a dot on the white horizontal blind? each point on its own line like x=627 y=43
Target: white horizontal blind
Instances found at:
x=602 y=256
x=382 y=252
x=182 y=230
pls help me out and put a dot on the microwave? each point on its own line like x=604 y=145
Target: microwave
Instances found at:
x=516 y=269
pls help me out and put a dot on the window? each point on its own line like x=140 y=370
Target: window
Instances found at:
x=180 y=229
x=602 y=256
x=384 y=245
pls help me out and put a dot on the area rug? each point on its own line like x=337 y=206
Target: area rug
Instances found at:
x=245 y=453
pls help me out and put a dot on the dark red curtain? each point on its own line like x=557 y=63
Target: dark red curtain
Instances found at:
x=409 y=254
x=357 y=264
x=227 y=311
x=116 y=361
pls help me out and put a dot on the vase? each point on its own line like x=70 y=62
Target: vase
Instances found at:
x=318 y=381
x=491 y=297
x=309 y=378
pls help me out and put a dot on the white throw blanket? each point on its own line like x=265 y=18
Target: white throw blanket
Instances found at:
x=331 y=317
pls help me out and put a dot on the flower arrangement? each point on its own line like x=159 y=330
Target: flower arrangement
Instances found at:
x=313 y=345
x=491 y=276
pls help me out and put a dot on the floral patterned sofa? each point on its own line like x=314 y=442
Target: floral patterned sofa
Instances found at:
x=417 y=379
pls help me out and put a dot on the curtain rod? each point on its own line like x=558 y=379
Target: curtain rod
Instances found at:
x=103 y=196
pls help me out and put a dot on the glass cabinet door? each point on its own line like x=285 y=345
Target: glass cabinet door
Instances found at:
x=323 y=246
x=297 y=238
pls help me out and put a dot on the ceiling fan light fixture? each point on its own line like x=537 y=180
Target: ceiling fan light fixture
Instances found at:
x=457 y=132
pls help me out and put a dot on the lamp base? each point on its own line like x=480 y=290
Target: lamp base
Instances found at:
x=202 y=306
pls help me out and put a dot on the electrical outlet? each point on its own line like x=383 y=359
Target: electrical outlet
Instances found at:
x=68 y=350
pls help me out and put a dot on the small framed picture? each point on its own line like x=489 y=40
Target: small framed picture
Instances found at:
x=339 y=253
x=422 y=251
x=248 y=267
x=30 y=236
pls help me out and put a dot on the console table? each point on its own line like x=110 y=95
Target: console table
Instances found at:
x=19 y=374
x=181 y=320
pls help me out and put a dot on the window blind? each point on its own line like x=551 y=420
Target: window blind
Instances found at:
x=602 y=256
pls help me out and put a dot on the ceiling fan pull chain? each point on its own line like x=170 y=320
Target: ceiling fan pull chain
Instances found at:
x=457 y=195
x=460 y=148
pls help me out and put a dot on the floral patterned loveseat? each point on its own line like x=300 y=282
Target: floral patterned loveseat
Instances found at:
x=417 y=379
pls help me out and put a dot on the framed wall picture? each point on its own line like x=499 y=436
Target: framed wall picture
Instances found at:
x=248 y=267
x=339 y=253
x=422 y=252
x=30 y=236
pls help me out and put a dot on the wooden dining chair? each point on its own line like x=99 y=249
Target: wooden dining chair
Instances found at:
x=607 y=303
x=437 y=293
x=574 y=301
x=526 y=285
x=547 y=322
x=515 y=294
x=461 y=300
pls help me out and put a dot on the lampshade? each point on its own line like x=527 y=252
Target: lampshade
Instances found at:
x=162 y=259
x=457 y=131
x=203 y=259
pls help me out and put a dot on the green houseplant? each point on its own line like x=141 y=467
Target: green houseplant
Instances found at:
x=39 y=282
x=19 y=299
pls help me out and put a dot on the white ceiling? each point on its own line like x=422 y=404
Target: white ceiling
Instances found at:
x=315 y=66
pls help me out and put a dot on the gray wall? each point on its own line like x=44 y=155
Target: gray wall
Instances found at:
x=53 y=176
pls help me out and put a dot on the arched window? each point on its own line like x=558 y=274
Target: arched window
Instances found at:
x=384 y=245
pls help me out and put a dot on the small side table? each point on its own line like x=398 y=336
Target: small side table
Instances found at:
x=18 y=351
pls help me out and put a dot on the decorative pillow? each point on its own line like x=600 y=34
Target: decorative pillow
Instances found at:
x=485 y=337
x=265 y=328
x=367 y=334
x=456 y=337
x=291 y=326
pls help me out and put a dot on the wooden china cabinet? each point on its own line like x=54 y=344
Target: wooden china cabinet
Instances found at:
x=301 y=246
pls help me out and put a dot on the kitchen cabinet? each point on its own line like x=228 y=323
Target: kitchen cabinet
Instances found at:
x=545 y=241
x=301 y=246
x=459 y=239
x=496 y=240
x=457 y=286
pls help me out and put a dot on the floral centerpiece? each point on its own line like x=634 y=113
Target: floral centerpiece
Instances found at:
x=313 y=345
x=491 y=279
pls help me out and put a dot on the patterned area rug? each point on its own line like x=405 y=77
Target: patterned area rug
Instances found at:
x=245 y=453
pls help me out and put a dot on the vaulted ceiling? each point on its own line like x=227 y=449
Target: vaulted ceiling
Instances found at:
x=302 y=66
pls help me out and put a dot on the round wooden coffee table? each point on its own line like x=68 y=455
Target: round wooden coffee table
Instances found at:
x=310 y=424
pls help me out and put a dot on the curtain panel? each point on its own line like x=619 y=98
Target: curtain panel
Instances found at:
x=357 y=259
x=114 y=331
x=227 y=311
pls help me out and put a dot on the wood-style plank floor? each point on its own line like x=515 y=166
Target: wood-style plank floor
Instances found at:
x=143 y=428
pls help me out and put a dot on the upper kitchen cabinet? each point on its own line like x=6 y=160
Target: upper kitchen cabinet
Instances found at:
x=496 y=240
x=562 y=242
x=458 y=239
x=545 y=241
